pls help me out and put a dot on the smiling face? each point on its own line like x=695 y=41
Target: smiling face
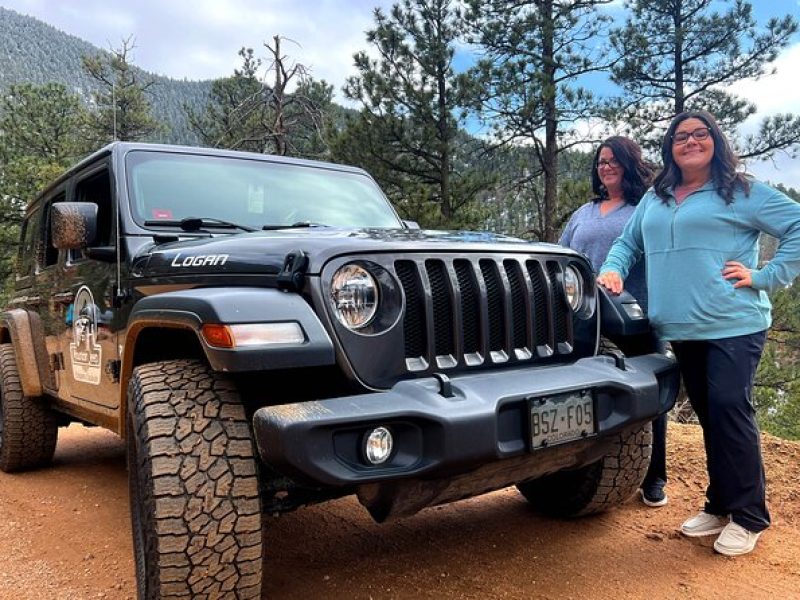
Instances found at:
x=610 y=171
x=693 y=157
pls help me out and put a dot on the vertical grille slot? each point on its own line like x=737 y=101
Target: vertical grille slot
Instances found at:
x=541 y=305
x=495 y=302
x=441 y=292
x=414 y=329
x=560 y=308
x=470 y=306
x=519 y=313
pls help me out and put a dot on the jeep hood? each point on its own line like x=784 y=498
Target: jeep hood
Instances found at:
x=264 y=252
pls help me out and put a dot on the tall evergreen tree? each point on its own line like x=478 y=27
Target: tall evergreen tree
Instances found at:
x=121 y=109
x=527 y=87
x=678 y=55
x=407 y=131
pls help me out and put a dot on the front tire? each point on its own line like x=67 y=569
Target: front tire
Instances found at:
x=596 y=487
x=194 y=493
x=28 y=429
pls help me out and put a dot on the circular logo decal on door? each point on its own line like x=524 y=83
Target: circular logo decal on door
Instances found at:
x=85 y=352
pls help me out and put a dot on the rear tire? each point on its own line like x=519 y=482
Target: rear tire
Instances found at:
x=596 y=487
x=28 y=429
x=194 y=493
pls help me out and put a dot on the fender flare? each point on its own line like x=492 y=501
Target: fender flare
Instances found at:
x=24 y=330
x=191 y=309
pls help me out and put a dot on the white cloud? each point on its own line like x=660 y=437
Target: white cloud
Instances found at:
x=774 y=94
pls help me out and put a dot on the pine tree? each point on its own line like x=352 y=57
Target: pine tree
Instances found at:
x=527 y=86
x=407 y=131
x=121 y=109
x=677 y=55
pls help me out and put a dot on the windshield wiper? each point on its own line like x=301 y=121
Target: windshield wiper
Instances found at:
x=197 y=223
x=293 y=226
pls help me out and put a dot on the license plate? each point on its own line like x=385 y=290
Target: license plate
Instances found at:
x=561 y=418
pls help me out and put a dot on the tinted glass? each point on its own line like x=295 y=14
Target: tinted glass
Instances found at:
x=170 y=187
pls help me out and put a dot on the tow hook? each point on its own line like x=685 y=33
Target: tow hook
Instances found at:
x=445 y=388
x=619 y=358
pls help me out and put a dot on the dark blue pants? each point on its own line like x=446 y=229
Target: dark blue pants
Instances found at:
x=718 y=375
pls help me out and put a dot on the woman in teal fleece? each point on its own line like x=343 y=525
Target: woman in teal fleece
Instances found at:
x=698 y=229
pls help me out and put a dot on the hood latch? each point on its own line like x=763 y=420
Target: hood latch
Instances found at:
x=290 y=278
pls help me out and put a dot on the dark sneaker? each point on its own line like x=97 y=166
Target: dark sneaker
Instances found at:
x=653 y=496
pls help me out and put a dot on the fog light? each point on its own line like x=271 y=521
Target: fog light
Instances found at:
x=378 y=445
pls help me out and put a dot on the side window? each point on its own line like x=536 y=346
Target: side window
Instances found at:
x=49 y=252
x=27 y=247
x=96 y=188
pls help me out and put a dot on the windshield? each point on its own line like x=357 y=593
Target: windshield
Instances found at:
x=167 y=188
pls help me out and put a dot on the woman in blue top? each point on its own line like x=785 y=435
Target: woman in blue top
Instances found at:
x=619 y=179
x=698 y=229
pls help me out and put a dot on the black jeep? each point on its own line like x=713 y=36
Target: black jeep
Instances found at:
x=266 y=333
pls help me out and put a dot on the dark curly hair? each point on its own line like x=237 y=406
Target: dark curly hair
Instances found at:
x=723 y=164
x=636 y=175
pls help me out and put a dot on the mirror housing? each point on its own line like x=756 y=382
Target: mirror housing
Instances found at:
x=410 y=224
x=73 y=225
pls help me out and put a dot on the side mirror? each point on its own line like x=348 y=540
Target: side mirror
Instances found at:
x=73 y=225
x=410 y=224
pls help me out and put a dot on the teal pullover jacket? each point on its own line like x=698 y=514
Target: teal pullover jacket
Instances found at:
x=686 y=247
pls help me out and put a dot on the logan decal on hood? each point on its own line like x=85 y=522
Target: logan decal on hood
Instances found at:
x=201 y=260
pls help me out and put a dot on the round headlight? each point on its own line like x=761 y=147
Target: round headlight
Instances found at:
x=573 y=287
x=354 y=295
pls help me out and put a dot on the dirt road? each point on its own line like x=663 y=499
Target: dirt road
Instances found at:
x=64 y=534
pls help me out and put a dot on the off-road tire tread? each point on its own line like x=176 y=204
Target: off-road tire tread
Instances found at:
x=30 y=430
x=597 y=487
x=193 y=474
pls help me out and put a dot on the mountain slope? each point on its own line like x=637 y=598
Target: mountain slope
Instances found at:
x=34 y=52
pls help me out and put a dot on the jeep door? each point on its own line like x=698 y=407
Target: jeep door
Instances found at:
x=85 y=303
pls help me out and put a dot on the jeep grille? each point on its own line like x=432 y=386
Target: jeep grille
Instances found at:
x=471 y=311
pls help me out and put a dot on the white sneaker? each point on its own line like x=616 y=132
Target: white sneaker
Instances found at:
x=704 y=524
x=735 y=540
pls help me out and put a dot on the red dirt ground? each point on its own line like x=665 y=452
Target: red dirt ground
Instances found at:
x=65 y=534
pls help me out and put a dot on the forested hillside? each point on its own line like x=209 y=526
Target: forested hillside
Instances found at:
x=33 y=52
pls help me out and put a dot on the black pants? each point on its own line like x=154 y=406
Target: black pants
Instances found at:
x=718 y=375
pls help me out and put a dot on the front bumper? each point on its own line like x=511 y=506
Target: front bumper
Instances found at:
x=486 y=420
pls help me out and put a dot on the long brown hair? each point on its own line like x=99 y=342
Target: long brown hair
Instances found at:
x=723 y=164
x=636 y=175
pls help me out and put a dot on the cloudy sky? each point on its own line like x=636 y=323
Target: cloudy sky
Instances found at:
x=199 y=39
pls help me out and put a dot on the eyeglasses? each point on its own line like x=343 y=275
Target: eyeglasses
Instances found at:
x=700 y=134
x=611 y=164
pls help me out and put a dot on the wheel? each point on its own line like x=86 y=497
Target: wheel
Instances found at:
x=28 y=429
x=596 y=487
x=194 y=493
